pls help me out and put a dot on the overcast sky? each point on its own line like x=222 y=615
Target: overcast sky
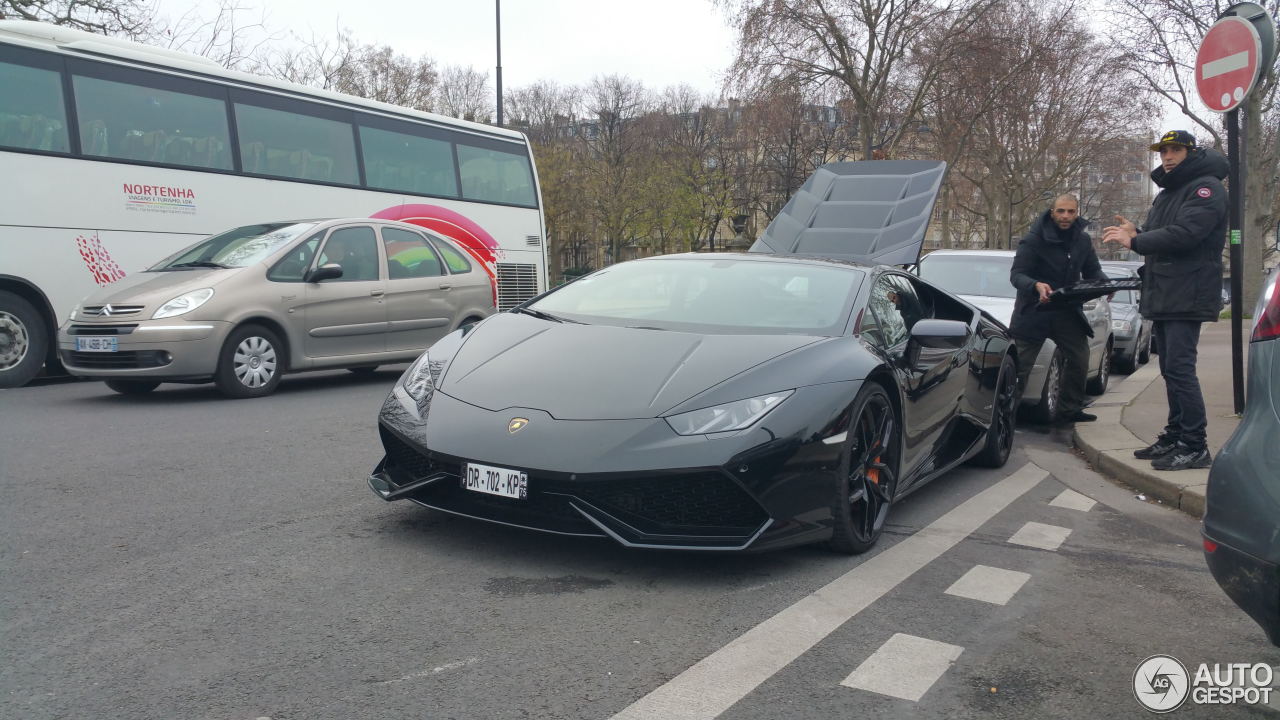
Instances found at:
x=659 y=42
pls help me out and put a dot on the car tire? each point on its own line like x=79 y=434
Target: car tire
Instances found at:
x=24 y=340
x=1004 y=412
x=1144 y=356
x=132 y=387
x=250 y=363
x=1046 y=411
x=1098 y=383
x=867 y=476
x=1126 y=364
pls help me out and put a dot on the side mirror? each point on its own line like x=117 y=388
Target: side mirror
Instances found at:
x=944 y=334
x=328 y=271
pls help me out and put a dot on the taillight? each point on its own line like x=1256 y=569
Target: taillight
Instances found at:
x=1266 y=323
x=1210 y=546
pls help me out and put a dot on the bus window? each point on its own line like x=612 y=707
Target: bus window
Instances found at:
x=456 y=261
x=32 y=116
x=495 y=175
x=132 y=121
x=408 y=255
x=408 y=163
x=291 y=145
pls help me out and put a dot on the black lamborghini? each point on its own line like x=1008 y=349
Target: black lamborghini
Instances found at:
x=786 y=395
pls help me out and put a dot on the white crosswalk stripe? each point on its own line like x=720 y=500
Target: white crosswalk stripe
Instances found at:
x=1039 y=535
x=1072 y=500
x=716 y=682
x=904 y=667
x=989 y=584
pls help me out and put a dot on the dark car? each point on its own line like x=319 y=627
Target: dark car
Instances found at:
x=717 y=401
x=1242 y=501
x=1131 y=331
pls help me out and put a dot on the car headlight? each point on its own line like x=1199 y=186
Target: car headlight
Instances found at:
x=729 y=416
x=419 y=381
x=1123 y=326
x=183 y=303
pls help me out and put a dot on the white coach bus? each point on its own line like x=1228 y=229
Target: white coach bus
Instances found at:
x=114 y=155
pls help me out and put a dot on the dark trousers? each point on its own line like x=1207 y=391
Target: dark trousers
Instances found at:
x=1176 y=342
x=1067 y=330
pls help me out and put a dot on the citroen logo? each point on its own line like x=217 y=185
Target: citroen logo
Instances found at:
x=106 y=310
x=516 y=425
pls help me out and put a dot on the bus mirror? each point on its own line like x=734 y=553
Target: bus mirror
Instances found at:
x=325 y=272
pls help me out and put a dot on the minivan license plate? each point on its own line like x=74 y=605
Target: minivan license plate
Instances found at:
x=495 y=480
x=97 y=344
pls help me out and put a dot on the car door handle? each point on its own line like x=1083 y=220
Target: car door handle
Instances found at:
x=446 y=287
x=376 y=293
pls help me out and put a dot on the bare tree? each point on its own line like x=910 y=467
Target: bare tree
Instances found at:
x=1162 y=37
x=380 y=73
x=127 y=18
x=613 y=142
x=319 y=62
x=886 y=54
x=543 y=108
x=464 y=92
x=235 y=37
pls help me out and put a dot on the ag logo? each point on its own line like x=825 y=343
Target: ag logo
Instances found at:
x=517 y=424
x=1161 y=683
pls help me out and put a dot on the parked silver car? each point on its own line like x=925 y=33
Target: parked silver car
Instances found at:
x=981 y=277
x=1131 y=331
x=245 y=306
x=1242 y=506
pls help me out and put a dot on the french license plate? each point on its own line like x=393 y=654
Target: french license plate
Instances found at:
x=97 y=344
x=495 y=480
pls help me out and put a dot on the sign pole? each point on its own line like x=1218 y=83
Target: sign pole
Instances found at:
x=1236 y=214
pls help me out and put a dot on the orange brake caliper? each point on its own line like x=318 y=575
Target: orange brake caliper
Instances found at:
x=873 y=474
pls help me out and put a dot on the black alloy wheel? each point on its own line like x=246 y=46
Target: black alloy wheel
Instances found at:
x=1004 y=413
x=868 y=477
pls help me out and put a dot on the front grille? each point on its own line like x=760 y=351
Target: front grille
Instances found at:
x=517 y=282
x=123 y=360
x=110 y=310
x=686 y=500
x=101 y=329
x=404 y=460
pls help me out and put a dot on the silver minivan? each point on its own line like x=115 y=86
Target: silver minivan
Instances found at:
x=244 y=307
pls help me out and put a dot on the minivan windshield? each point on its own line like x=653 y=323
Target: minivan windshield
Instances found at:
x=722 y=296
x=240 y=247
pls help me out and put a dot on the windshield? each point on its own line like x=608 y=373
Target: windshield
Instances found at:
x=1124 y=297
x=711 y=296
x=240 y=247
x=970 y=274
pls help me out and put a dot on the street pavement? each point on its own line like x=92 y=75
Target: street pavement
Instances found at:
x=1133 y=411
x=179 y=555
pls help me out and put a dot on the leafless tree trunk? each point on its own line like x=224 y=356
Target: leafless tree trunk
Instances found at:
x=126 y=18
x=464 y=92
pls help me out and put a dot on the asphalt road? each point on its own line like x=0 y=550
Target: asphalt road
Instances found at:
x=178 y=555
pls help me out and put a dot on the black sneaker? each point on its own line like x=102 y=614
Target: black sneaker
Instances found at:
x=1183 y=457
x=1161 y=447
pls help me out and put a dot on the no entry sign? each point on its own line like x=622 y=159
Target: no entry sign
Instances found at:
x=1227 y=63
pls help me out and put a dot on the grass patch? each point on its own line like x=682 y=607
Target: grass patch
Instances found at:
x=1226 y=315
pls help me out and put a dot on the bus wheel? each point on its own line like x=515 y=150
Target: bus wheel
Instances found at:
x=250 y=364
x=24 y=340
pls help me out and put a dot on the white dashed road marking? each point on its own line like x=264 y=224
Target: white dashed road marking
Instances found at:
x=989 y=584
x=904 y=667
x=1039 y=535
x=432 y=671
x=726 y=676
x=1072 y=500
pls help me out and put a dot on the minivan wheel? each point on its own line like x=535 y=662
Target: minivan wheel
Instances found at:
x=132 y=387
x=249 y=364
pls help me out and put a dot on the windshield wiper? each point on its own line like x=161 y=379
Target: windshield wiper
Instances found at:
x=201 y=263
x=543 y=315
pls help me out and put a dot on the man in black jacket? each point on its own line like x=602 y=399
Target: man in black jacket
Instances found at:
x=1181 y=244
x=1054 y=253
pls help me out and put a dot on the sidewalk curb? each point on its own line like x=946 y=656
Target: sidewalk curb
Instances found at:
x=1109 y=446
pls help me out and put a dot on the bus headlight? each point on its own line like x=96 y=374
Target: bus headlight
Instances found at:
x=183 y=303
